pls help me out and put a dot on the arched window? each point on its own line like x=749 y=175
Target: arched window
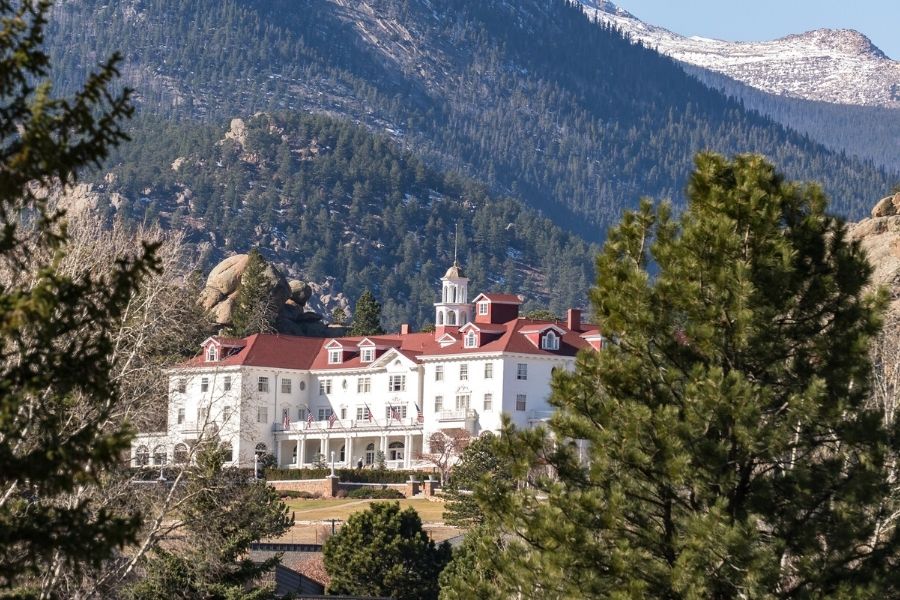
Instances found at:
x=228 y=452
x=471 y=340
x=440 y=319
x=462 y=319
x=451 y=318
x=370 y=454
x=261 y=449
x=142 y=456
x=453 y=293
x=211 y=354
x=550 y=341
x=181 y=454
x=395 y=451
x=159 y=455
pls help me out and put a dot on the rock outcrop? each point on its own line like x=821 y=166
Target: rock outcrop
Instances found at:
x=880 y=237
x=224 y=282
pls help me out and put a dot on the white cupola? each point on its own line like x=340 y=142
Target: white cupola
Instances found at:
x=454 y=309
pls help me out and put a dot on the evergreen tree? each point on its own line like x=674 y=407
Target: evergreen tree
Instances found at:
x=55 y=343
x=223 y=513
x=338 y=316
x=384 y=552
x=366 y=316
x=472 y=572
x=730 y=452
x=253 y=309
x=480 y=464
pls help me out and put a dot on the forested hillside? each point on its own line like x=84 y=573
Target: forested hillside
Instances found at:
x=527 y=96
x=324 y=198
x=869 y=132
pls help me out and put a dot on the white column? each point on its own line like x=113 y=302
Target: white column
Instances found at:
x=348 y=451
x=407 y=450
x=384 y=446
x=302 y=450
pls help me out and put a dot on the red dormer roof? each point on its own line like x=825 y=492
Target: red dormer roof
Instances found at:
x=499 y=298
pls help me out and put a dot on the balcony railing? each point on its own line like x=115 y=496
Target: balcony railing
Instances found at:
x=349 y=424
x=539 y=415
x=456 y=415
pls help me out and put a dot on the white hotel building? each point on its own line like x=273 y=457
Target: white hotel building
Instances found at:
x=299 y=397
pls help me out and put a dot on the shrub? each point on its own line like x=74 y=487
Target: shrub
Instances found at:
x=298 y=494
x=350 y=475
x=376 y=493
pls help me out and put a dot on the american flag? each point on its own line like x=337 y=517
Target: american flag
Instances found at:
x=309 y=419
x=419 y=416
x=286 y=419
x=331 y=419
x=395 y=413
x=369 y=413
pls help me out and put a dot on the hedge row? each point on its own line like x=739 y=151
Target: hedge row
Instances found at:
x=352 y=475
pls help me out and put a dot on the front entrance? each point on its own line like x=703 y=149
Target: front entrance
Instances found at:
x=370 y=454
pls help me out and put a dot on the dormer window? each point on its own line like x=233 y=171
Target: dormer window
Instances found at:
x=471 y=340
x=482 y=308
x=334 y=357
x=367 y=355
x=550 y=341
x=212 y=354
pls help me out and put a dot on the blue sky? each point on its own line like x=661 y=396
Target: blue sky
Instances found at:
x=740 y=20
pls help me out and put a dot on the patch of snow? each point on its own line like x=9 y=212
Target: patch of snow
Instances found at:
x=828 y=65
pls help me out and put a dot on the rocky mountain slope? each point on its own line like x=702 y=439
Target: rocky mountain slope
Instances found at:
x=880 y=237
x=826 y=65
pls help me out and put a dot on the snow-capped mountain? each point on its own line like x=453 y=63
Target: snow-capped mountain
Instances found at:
x=829 y=65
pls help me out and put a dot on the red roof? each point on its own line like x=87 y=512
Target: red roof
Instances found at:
x=268 y=350
x=500 y=298
x=304 y=353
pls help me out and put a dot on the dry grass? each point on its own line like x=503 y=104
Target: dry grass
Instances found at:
x=340 y=508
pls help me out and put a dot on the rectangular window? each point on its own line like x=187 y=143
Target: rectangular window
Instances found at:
x=334 y=357
x=397 y=383
x=482 y=308
x=438 y=404
x=462 y=402
x=488 y=402
x=464 y=372
x=180 y=416
x=226 y=383
x=489 y=370
x=204 y=384
x=324 y=413
x=262 y=384
x=367 y=355
x=520 y=402
x=324 y=386
x=439 y=372
x=395 y=412
x=262 y=414
x=226 y=414
x=182 y=385
x=343 y=413
x=363 y=385
x=285 y=386
x=202 y=416
x=362 y=413
x=301 y=414
x=522 y=371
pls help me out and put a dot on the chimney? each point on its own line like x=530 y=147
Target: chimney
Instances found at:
x=404 y=329
x=573 y=319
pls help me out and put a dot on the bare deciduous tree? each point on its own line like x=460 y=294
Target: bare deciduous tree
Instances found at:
x=444 y=449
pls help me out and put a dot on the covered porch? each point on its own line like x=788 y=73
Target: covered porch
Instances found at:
x=350 y=449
